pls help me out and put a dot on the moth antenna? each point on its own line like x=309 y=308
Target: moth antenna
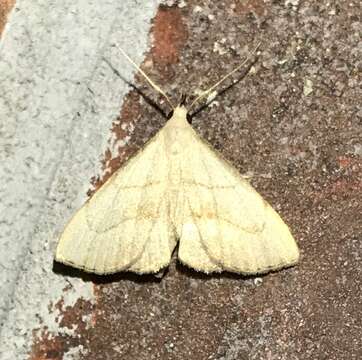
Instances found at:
x=154 y=86
x=208 y=91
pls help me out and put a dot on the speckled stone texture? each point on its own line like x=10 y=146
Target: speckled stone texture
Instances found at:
x=294 y=123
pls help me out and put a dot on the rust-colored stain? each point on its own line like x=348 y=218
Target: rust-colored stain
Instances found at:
x=120 y=128
x=344 y=161
x=257 y=7
x=5 y=8
x=347 y=183
x=48 y=347
x=169 y=33
x=338 y=189
x=52 y=346
x=72 y=315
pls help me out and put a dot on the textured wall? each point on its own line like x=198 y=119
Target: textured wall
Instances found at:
x=294 y=123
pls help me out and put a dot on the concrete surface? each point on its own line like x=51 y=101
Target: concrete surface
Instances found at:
x=58 y=101
x=294 y=122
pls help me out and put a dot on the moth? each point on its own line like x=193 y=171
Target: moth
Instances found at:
x=177 y=190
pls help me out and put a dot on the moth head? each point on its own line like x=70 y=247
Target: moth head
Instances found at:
x=182 y=104
x=181 y=108
x=183 y=99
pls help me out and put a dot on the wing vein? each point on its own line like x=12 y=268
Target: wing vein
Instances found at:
x=148 y=174
x=216 y=210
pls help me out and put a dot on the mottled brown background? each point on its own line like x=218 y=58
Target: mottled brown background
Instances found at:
x=305 y=154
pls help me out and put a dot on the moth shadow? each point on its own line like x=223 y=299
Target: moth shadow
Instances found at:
x=65 y=270
x=191 y=115
x=147 y=99
x=69 y=271
x=185 y=270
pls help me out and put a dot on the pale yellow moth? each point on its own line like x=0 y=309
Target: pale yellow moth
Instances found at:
x=177 y=189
